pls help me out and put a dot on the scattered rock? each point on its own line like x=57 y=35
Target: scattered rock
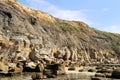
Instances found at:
x=108 y=75
x=99 y=75
x=104 y=70
x=50 y=73
x=18 y=70
x=37 y=76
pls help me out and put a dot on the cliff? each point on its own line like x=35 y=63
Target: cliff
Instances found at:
x=31 y=35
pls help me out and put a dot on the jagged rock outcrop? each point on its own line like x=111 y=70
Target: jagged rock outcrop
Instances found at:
x=28 y=35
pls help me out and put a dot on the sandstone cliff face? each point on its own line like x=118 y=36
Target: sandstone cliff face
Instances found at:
x=30 y=35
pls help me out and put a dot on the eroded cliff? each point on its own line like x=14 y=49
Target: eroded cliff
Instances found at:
x=31 y=35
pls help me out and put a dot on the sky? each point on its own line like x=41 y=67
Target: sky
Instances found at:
x=100 y=14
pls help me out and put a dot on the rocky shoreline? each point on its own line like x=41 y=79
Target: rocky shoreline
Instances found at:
x=99 y=72
x=34 y=41
x=25 y=57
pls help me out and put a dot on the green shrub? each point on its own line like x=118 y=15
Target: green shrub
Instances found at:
x=66 y=27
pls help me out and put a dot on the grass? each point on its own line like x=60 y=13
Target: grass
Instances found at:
x=116 y=48
x=67 y=27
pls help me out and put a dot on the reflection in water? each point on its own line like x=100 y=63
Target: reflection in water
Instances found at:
x=70 y=76
x=23 y=76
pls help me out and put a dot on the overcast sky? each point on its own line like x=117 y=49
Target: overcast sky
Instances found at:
x=100 y=14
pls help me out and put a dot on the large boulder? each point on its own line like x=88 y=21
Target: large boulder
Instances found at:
x=11 y=66
x=31 y=64
x=56 y=69
x=21 y=58
x=15 y=68
x=40 y=67
x=58 y=54
x=3 y=67
x=29 y=67
x=116 y=74
x=34 y=55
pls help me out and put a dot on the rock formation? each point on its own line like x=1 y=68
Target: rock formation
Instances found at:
x=31 y=37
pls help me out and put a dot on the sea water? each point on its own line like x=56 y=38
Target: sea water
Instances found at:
x=71 y=75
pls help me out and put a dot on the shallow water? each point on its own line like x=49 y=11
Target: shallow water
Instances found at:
x=23 y=76
x=69 y=76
